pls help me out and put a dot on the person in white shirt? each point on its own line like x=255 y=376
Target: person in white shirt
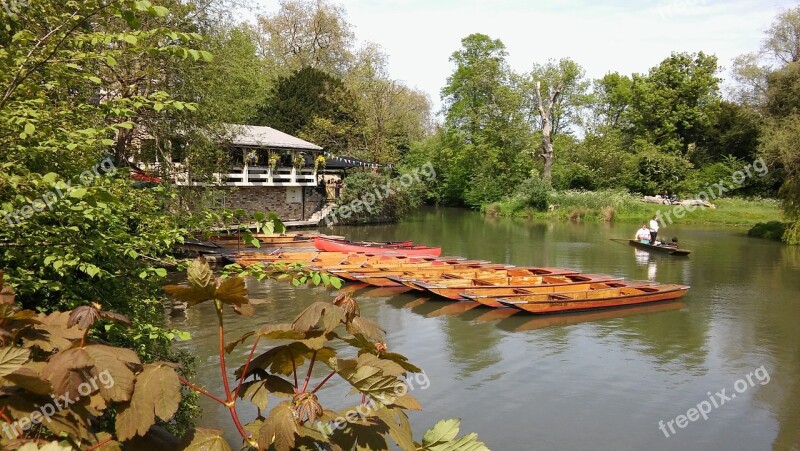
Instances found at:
x=653 y=229
x=643 y=234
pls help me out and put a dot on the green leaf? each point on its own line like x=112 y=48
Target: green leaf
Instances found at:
x=161 y=272
x=142 y=5
x=159 y=11
x=94 y=79
x=207 y=56
x=444 y=431
x=77 y=193
x=50 y=178
x=30 y=128
x=158 y=106
x=336 y=282
x=130 y=39
x=111 y=61
x=195 y=54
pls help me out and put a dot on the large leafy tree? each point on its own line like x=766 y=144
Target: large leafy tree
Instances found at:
x=673 y=106
x=483 y=115
x=314 y=105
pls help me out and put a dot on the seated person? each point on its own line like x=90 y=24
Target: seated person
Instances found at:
x=643 y=234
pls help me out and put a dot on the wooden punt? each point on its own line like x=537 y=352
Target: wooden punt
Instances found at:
x=665 y=249
x=351 y=272
x=595 y=299
x=346 y=246
x=514 y=286
x=535 y=273
x=388 y=278
x=492 y=300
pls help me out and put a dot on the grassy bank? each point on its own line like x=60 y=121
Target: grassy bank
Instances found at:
x=620 y=206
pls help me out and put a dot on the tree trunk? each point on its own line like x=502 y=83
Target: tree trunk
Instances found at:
x=546 y=114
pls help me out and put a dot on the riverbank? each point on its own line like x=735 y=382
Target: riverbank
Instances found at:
x=617 y=206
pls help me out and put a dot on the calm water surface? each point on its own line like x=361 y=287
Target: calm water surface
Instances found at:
x=591 y=381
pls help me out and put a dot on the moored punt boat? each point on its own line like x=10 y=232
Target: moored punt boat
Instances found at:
x=346 y=246
x=351 y=272
x=515 y=286
x=594 y=299
x=389 y=278
x=666 y=249
x=492 y=300
x=498 y=277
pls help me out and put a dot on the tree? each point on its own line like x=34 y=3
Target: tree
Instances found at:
x=316 y=106
x=610 y=99
x=306 y=33
x=554 y=92
x=483 y=115
x=393 y=115
x=674 y=105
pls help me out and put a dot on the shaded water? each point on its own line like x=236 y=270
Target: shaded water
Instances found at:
x=599 y=380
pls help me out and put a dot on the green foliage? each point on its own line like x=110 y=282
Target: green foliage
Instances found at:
x=674 y=105
x=656 y=171
x=773 y=230
x=313 y=105
x=366 y=192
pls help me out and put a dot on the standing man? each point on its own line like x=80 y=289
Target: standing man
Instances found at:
x=653 y=229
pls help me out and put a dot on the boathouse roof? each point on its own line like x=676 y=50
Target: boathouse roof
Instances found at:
x=261 y=136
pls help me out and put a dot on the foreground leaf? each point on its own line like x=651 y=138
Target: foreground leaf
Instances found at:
x=206 y=440
x=12 y=359
x=279 y=429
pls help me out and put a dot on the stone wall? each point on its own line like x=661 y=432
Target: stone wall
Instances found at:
x=264 y=199
x=274 y=198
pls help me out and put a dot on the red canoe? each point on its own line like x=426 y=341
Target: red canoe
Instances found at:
x=328 y=245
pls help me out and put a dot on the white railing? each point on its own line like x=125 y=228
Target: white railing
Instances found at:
x=257 y=176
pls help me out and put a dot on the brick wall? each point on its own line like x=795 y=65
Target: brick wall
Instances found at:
x=273 y=198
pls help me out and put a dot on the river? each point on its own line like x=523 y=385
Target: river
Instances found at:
x=592 y=381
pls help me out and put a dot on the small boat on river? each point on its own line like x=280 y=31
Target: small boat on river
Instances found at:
x=663 y=248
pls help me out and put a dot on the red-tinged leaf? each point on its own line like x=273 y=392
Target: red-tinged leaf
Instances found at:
x=12 y=359
x=330 y=315
x=112 y=371
x=205 y=440
x=366 y=327
x=306 y=407
x=29 y=378
x=6 y=294
x=387 y=367
x=114 y=316
x=401 y=360
x=83 y=317
x=258 y=391
x=278 y=360
x=190 y=295
x=65 y=372
x=246 y=310
x=158 y=388
x=232 y=291
x=279 y=429
x=53 y=333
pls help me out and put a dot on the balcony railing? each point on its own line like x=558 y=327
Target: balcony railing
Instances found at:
x=255 y=176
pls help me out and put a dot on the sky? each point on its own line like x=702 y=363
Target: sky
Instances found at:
x=624 y=36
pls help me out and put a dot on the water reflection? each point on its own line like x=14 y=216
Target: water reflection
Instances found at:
x=611 y=375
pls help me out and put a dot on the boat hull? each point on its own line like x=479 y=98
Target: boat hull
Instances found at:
x=339 y=246
x=670 y=250
x=574 y=302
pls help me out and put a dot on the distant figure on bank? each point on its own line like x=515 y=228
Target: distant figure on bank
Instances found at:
x=643 y=234
x=653 y=229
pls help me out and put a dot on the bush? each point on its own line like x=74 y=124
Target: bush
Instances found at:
x=534 y=193
x=656 y=171
x=772 y=230
x=369 y=189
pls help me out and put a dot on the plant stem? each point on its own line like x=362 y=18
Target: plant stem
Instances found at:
x=230 y=400
x=294 y=371
x=246 y=367
x=308 y=375
x=323 y=382
x=201 y=390
x=98 y=445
